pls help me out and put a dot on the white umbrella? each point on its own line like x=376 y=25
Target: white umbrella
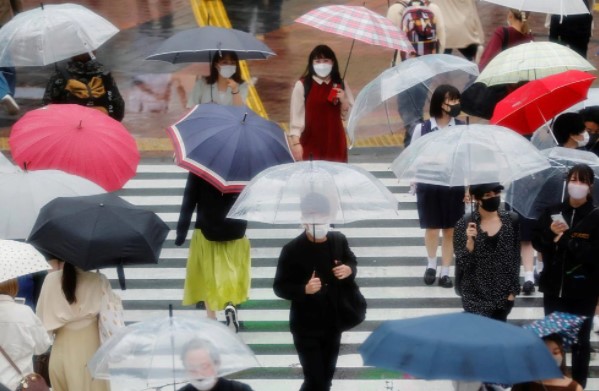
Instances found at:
x=23 y=194
x=19 y=259
x=52 y=33
x=6 y=166
x=555 y=7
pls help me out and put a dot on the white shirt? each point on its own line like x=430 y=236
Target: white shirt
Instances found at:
x=22 y=335
x=418 y=129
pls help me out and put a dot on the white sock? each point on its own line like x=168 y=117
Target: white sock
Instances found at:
x=529 y=276
x=539 y=266
x=444 y=271
x=432 y=263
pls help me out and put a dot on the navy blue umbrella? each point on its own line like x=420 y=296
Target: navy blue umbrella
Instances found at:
x=228 y=145
x=459 y=346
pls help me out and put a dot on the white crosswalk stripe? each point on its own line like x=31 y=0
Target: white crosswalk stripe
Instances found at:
x=391 y=258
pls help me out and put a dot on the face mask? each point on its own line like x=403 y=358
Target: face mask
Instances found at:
x=319 y=231
x=490 y=204
x=558 y=359
x=454 y=110
x=322 y=70
x=578 y=191
x=585 y=139
x=227 y=71
x=204 y=384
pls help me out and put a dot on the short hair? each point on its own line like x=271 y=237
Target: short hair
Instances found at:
x=201 y=344
x=584 y=173
x=566 y=125
x=590 y=114
x=9 y=287
x=438 y=98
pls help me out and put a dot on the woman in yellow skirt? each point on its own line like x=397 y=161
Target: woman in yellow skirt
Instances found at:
x=218 y=267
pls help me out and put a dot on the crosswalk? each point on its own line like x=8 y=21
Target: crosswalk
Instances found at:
x=390 y=255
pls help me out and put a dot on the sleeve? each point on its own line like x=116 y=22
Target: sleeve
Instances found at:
x=516 y=258
x=492 y=49
x=117 y=101
x=196 y=94
x=417 y=132
x=54 y=92
x=39 y=335
x=297 y=120
x=285 y=283
x=188 y=205
x=350 y=99
x=349 y=258
x=462 y=255
x=542 y=236
x=244 y=89
x=440 y=24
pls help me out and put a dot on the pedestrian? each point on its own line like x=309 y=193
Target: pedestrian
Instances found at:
x=8 y=75
x=309 y=273
x=320 y=101
x=201 y=361
x=567 y=235
x=463 y=28
x=570 y=131
x=590 y=116
x=218 y=266
x=85 y=81
x=22 y=336
x=439 y=207
x=573 y=31
x=487 y=249
x=69 y=307
x=224 y=85
x=517 y=32
x=556 y=348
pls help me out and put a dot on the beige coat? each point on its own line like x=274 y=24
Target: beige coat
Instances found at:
x=462 y=23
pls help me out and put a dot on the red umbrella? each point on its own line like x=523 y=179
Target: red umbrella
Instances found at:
x=533 y=104
x=78 y=140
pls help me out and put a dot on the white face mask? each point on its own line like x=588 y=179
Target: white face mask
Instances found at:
x=585 y=139
x=558 y=359
x=578 y=191
x=204 y=384
x=227 y=71
x=319 y=231
x=322 y=70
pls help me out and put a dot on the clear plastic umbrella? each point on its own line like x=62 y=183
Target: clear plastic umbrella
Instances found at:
x=316 y=192
x=148 y=354
x=373 y=114
x=555 y=7
x=467 y=155
x=6 y=166
x=19 y=259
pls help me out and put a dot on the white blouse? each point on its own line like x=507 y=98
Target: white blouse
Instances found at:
x=206 y=93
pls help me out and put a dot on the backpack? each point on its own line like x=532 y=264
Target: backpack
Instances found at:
x=420 y=25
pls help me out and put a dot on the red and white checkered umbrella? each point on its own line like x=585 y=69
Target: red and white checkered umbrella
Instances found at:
x=358 y=23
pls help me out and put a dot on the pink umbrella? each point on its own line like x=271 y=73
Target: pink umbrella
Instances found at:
x=78 y=140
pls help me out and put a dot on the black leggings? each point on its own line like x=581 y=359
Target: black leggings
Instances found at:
x=318 y=356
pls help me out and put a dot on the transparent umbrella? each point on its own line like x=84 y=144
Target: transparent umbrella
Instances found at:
x=6 y=166
x=316 y=192
x=19 y=259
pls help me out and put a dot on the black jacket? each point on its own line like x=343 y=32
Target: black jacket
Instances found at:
x=571 y=266
x=312 y=315
x=222 y=385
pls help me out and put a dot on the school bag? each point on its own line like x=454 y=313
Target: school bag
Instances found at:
x=419 y=23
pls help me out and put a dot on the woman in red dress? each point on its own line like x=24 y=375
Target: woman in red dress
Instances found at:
x=319 y=103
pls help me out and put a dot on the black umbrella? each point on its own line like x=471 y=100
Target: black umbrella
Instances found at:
x=99 y=231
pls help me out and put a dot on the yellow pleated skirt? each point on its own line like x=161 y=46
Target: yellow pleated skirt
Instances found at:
x=217 y=272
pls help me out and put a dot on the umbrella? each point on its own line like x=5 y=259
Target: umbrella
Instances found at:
x=203 y=43
x=6 y=166
x=24 y=193
x=52 y=33
x=147 y=354
x=406 y=81
x=19 y=259
x=468 y=155
x=529 y=107
x=78 y=140
x=227 y=145
x=471 y=347
x=318 y=192
x=531 y=61
x=532 y=194
x=98 y=231
x=555 y=7
x=562 y=323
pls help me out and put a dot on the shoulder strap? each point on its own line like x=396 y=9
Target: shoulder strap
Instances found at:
x=506 y=38
x=426 y=127
x=10 y=361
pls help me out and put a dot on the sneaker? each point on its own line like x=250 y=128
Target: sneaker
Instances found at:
x=10 y=105
x=429 y=276
x=231 y=316
x=528 y=288
x=445 y=282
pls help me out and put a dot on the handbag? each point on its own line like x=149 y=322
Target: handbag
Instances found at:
x=110 y=317
x=41 y=365
x=29 y=382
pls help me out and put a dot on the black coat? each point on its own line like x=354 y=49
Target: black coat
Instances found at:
x=312 y=315
x=222 y=385
x=571 y=266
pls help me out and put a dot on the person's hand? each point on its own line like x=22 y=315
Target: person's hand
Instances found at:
x=470 y=235
x=313 y=286
x=179 y=240
x=341 y=95
x=297 y=151
x=341 y=271
x=558 y=227
x=467 y=198
x=233 y=85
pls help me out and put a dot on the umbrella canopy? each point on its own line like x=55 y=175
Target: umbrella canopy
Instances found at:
x=359 y=23
x=147 y=354
x=24 y=193
x=405 y=80
x=19 y=259
x=471 y=347
x=529 y=107
x=531 y=61
x=562 y=323
x=6 y=166
x=78 y=140
x=52 y=33
x=318 y=192
x=203 y=43
x=227 y=145
x=468 y=155
x=554 y=7
x=532 y=194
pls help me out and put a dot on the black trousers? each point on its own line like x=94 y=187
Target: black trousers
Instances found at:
x=581 y=352
x=318 y=356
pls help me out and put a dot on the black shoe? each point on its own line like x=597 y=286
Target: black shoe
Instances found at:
x=231 y=316
x=429 y=276
x=445 y=282
x=528 y=288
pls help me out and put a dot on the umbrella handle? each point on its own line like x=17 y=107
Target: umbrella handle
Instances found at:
x=120 y=271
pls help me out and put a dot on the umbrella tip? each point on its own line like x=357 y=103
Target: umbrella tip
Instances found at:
x=244 y=117
x=101 y=204
x=80 y=124
x=170 y=310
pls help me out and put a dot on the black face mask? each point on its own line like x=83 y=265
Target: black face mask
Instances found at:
x=491 y=204
x=454 y=110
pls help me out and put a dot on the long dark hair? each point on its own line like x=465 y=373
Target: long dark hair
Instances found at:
x=69 y=282
x=585 y=175
x=322 y=51
x=439 y=95
x=213 y=77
